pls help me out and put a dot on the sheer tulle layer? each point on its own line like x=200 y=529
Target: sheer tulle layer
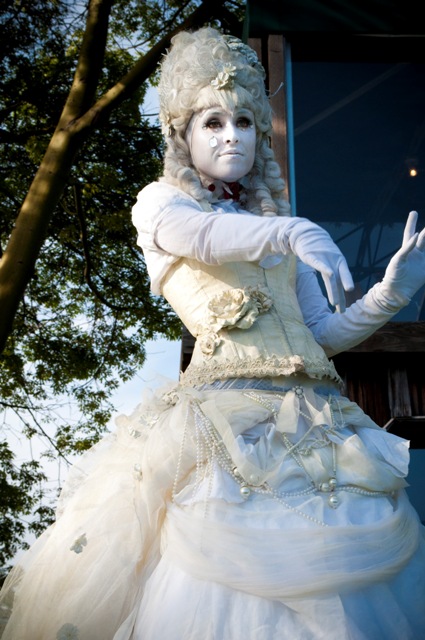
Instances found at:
x=284 y=563
x=83 y=571
x=85 y=577
x=193 y=609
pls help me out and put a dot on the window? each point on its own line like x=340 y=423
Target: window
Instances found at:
x=358 y=114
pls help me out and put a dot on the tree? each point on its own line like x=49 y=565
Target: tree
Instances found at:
x=75 y=303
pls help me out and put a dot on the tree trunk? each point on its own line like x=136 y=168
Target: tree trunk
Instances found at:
x=77 y=121
x=18 y=261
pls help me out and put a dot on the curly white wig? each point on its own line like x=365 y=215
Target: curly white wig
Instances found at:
x=204 y=69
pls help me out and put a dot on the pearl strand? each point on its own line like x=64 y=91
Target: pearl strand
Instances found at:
x=277 y=495
x=218 y=452
x=180 y=457
x=364 y=492
x=225 y=461
x=214 y=444
x=294 y=449
x=200 y=457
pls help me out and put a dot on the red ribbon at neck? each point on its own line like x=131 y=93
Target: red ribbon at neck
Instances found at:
x=231 y=191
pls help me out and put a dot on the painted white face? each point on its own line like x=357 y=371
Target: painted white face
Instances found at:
x=222 y=143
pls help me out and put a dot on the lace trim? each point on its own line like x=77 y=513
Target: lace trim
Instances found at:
x=260 y=367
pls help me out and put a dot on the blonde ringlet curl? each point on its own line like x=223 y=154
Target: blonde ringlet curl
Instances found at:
x=193 y=62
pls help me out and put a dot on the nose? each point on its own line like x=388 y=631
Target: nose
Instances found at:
x=231 y=134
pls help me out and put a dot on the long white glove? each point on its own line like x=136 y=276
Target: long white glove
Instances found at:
x=314 y=246
x=404 y=276
x=217 y=238
x=405 y=273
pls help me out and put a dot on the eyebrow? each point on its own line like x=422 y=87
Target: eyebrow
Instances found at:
x=213 y=111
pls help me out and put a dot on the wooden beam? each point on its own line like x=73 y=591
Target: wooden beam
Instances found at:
x=395 y=337
x=276 y=83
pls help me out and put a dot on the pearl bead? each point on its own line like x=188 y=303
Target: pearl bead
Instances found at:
x=245 y=491
x=254 y=478
x=332 y=483
x=333 y=501
x=324 y=486
x=236 y=472
x=299 y=391
x=138 y=471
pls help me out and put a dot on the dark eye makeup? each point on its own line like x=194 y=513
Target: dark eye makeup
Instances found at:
x=214 y=122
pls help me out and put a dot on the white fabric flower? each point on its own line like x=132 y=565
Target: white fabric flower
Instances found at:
x=134 y=432
x=170 y=397
x=208 y=343
x=68 y=632
x=232 y=308
x=79 y=543
x=225 y=77
x=238 y=307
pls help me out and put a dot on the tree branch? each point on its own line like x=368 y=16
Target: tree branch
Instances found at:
x=18 y=261
x=90 y=62
x=146 y=65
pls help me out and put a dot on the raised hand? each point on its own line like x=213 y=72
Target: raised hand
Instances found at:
x=405 y=273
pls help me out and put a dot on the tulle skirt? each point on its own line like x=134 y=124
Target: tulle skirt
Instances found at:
x=192 y=609
x=229 y=514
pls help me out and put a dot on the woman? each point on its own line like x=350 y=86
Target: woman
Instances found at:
x=251 y=500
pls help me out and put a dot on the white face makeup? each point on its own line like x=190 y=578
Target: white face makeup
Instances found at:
x=222 y=143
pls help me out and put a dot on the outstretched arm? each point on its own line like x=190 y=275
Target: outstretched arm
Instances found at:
x=180 y=227
x=404 y=276
x=215 y=238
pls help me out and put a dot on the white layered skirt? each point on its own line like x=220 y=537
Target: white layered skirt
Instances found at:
x=230 y=515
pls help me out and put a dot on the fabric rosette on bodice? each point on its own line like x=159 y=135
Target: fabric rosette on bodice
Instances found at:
x=231 y=309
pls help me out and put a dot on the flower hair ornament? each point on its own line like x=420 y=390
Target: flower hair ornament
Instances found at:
x=225 y=77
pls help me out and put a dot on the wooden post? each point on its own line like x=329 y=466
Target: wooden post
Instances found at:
x=276 y=81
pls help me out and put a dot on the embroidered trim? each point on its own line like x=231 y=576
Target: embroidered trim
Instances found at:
x=260 y=367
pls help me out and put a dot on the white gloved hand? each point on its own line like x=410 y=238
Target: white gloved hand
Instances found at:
x=314 y=246
x=405 y=273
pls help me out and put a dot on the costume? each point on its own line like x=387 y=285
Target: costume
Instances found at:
x=276 y=535
x=250 y=501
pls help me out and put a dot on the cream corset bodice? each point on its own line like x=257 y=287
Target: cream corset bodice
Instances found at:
x=246 y=321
